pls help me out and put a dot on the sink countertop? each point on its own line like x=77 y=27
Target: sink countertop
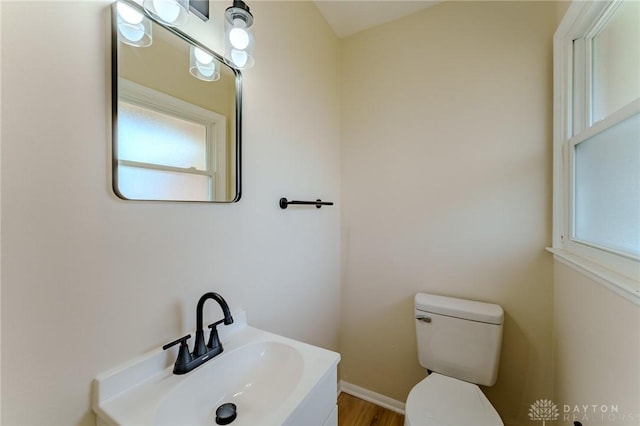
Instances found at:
x=132 y=393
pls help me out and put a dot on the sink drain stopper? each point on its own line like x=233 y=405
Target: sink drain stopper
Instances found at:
x=226 y=413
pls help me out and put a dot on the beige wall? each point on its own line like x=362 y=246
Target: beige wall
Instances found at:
x=88 y=280
x=596 y=351
x=563 y=6
x=446 y=178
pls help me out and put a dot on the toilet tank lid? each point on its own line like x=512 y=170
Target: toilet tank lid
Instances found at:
x=460 y=308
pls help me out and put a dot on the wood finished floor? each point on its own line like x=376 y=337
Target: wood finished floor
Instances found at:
x=353 y=411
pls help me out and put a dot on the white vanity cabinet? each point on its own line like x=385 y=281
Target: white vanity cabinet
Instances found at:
x=320 y=406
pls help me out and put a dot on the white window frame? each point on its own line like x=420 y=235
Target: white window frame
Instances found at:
x=617 y=271
x=216 y=146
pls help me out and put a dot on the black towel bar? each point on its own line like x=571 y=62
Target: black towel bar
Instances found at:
x=284 y=203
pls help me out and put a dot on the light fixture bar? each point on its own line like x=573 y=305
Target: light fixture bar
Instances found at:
x=200 y=8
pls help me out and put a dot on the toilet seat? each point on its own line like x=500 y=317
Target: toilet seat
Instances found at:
x=444 y=401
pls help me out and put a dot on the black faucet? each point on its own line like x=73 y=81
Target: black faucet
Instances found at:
x=201 y=353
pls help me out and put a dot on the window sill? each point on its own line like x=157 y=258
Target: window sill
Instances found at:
x=619 y=284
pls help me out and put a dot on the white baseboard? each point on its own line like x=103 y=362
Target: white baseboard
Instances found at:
x=371 y=396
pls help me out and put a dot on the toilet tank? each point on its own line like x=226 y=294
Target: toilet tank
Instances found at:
x=459 y=338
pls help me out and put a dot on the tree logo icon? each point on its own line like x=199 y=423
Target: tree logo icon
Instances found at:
x=543 y=409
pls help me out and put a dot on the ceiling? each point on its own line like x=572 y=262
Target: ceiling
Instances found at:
x=348 y=17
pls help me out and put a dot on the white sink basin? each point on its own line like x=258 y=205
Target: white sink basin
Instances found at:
x=268 y=377
x=256 y=378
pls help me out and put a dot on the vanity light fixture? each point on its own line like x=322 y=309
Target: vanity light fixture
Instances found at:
x=173 y=13
x=203 y=65
x=134 y=28
x=238 y=36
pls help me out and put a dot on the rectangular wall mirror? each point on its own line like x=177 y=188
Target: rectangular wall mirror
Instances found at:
x=176 y=114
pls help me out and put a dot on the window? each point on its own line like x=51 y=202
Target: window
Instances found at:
x=167 y=148
x=597 y=142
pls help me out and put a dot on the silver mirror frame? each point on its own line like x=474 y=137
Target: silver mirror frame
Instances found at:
x=115 y=95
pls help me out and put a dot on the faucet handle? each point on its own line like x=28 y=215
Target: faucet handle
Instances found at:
x=215 y=324
x=214 y=340
x=183 y=339
x=184 y=357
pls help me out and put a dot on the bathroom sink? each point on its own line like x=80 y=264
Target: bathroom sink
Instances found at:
x=257 y=378
x=272 y=380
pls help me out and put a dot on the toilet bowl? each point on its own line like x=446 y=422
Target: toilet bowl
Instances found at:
x=459 y=342
x=444 y=401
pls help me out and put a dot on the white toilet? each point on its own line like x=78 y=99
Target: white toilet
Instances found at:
x=459 y=343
